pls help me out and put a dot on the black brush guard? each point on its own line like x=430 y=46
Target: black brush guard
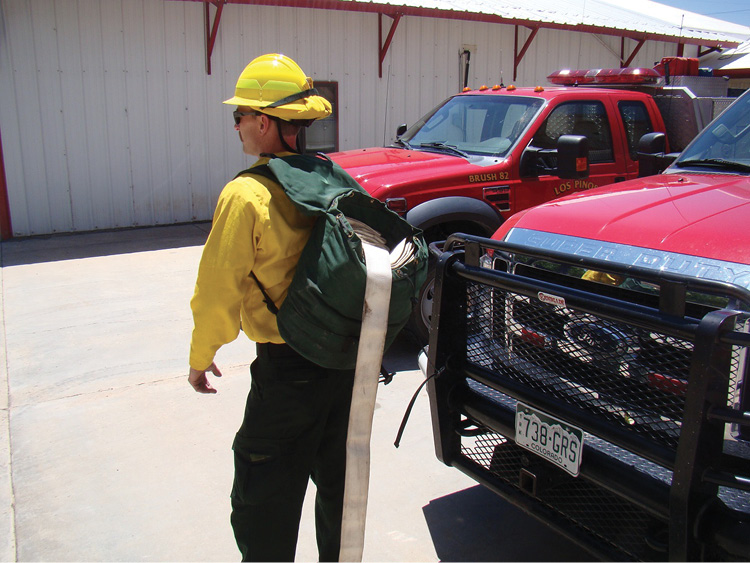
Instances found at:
x=657 y=478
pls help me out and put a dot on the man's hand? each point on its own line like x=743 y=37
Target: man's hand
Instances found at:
x=199 y=381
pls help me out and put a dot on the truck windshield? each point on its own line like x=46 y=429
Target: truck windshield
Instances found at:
x=473 y=125
x=724 y=145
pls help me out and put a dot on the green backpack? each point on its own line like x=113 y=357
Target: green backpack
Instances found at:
x=322 y=313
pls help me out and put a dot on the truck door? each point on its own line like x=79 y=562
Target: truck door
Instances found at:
x=636 y=122
x=580 y=117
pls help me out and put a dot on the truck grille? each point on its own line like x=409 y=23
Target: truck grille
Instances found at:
x=593 y=509
x=645 y=370
x=634 y=378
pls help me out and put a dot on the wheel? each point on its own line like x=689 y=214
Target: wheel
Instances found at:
x=421 y=316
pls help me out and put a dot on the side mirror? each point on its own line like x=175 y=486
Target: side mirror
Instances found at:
x=651 y=157
x=652 y=143
x=529 y=165
x=572 y=157
x=569 y=160
x=400 y=130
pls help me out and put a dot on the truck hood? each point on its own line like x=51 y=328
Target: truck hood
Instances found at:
x=703 y=215
x=381 y=169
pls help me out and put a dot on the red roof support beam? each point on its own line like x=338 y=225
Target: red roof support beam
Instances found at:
x=702 y=53
x=518 y=56
x=383 y=48
x=211 y=30
x=634 y=53
x=6 y=230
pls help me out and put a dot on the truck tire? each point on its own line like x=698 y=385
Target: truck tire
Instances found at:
x=439 y=218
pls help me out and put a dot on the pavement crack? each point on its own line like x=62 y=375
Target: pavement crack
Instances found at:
x=120 y=388
x=4 y=378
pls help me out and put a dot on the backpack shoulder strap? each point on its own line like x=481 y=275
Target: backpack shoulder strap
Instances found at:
x=265 y=171
x=260 y=170
x=270 y=305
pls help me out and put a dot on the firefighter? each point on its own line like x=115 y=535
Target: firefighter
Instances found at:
x=296 y=417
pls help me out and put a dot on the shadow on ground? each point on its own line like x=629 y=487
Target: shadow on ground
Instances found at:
x=477 y=525
x=71 y=246
x=403 y=353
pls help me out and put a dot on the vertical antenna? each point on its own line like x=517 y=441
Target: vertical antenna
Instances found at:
x=501 y=69
x=580 y=35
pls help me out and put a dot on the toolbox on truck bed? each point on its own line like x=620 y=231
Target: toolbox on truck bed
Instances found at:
x=617 y=413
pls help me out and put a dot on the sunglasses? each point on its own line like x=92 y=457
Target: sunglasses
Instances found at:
x=238 y=115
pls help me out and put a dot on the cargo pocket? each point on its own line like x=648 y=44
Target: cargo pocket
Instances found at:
x=259 y=471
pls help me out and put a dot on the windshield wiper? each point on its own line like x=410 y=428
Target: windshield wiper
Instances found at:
x=444 y=147
x=714 y=163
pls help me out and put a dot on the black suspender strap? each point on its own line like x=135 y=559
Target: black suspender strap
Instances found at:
x=270 y=305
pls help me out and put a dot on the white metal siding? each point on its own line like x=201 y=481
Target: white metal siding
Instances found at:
x=109 y=119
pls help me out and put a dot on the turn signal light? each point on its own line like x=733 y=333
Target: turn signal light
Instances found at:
x=397 y=205
x=668 y=384
x=534 y=338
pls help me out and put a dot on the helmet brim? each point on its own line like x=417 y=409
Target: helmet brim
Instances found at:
x=312 y=107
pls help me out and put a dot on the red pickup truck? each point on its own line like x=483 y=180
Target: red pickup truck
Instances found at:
x=590 y=362
x=485 y=154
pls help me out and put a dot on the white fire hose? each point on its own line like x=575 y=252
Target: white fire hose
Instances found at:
x=379 y=262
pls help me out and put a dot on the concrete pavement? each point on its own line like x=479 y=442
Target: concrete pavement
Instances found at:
x=106 y=452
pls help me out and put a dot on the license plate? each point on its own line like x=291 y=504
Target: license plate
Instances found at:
x=549 y=437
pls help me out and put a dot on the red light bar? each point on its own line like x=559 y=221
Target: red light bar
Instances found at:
x=604 y=76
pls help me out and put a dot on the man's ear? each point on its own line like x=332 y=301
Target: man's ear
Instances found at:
x=265 y=123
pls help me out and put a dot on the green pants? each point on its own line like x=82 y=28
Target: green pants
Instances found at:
x=294 y=429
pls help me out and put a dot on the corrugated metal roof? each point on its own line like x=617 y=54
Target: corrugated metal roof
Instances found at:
x=730 y=59
x=683 y=21
x=641 y=16
x=739 y=63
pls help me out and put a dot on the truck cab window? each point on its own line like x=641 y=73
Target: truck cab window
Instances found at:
x=637 y=123
x=578 y=118
x=475 y=125
x=727 y=140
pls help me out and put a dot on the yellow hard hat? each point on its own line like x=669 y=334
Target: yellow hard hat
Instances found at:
x=274 y=84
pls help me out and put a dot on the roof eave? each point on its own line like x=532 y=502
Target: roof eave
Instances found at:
x=394 y=10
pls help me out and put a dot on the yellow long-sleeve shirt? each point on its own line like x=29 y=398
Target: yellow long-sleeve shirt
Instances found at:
x=255 y=227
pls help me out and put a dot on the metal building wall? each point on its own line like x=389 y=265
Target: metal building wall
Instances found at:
x=109 y=119
x=105 y=116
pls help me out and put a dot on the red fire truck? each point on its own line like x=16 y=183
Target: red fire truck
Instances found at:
x=484 y=154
